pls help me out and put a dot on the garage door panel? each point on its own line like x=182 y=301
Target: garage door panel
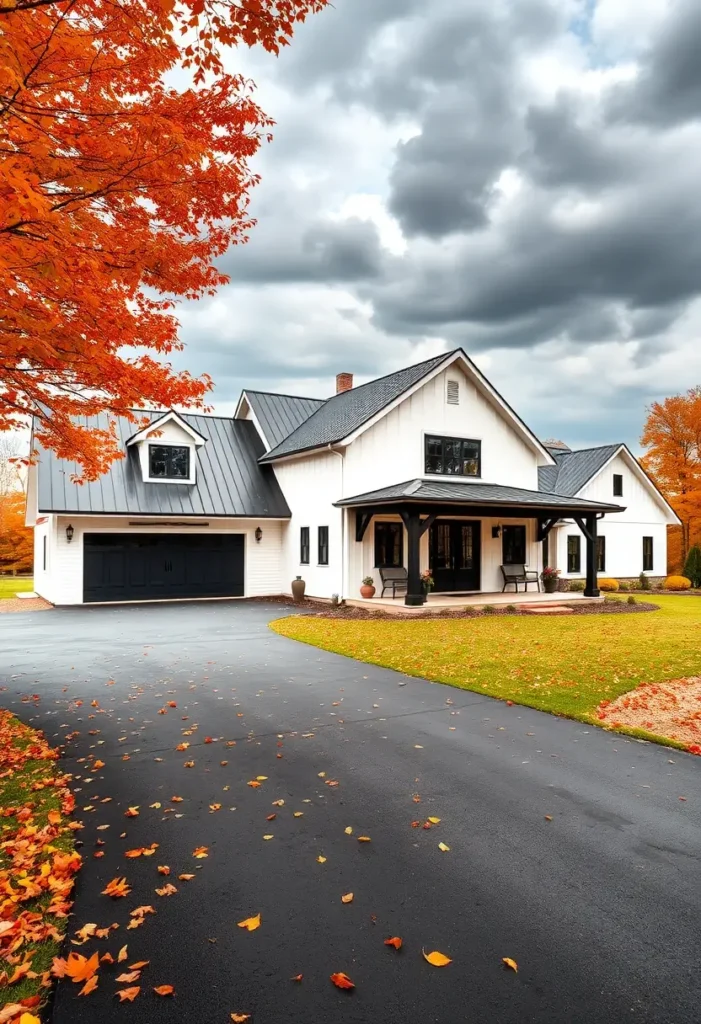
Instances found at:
x=132 y=567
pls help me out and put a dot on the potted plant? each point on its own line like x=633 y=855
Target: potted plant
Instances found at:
x=549 y=577
x=367 y=588
x=427 y=581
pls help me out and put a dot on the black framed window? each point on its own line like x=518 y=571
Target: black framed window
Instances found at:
x=648 y=556
x=574 y=553
x=617 y=485
x=389 y=545
x=452 y=456
x=513 y=545
x=323 y=545
x=44 y=551
x=600 y=554
x=304 y=545
x=169 y=461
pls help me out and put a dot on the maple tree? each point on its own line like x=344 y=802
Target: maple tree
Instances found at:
x=117 y=194
x=672 y=437
x=16 y=539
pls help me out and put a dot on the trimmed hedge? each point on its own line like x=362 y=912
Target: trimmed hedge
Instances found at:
x=677 y=583
x=608 y=585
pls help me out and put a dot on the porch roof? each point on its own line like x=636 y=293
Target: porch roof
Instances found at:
x=476 y=495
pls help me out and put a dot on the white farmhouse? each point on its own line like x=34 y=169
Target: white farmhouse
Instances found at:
x=425 y=468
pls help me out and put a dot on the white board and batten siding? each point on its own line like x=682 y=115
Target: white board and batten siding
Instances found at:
x=392 y=449
x=645 y=515
x=62 y=583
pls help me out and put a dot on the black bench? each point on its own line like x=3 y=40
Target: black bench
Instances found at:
x=518 y=574
x=396 y=579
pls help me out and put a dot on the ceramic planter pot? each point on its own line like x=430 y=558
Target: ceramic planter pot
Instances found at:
x=298 y=587
x=366 y=591
x=550 y=585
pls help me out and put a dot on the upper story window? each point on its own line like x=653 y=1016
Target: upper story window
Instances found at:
x=453 y=456
x=169 y=462
x=617 y=485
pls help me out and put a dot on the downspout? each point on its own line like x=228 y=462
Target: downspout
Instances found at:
x=342 y=457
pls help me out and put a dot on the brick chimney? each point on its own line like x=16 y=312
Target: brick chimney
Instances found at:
x=344 y=382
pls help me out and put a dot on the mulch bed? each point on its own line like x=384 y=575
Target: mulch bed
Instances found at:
x=322 y=609
x=671 y=709
x=26 y=604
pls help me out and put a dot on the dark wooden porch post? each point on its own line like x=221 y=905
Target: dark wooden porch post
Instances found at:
x=414 y=590
x=591 y=589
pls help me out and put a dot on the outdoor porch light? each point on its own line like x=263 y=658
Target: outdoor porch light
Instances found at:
x=69 y=533
x=496 y=530
x=258 y=534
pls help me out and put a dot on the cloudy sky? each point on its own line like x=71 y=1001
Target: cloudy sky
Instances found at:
x=519 y=177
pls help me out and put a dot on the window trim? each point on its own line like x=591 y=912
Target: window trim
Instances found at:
x=322 y=547
x=576 y=537
x=432 y=436
x=44 y=559
x=618 y=485
x=400 y=528
x=189 y=479
x=651 y=566
x=304 y=544
x=601 y=552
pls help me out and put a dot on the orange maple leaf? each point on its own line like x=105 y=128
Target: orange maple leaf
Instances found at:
x=164 y=990
x=129 y=994
x=80 y=968
x=117 y=887
x=342 y=980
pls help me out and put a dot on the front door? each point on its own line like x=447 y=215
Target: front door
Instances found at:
x=454 y=552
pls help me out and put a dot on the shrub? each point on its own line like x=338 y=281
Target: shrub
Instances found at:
x=632 y=600
x=692 y=566
x=677 y=583
x=624 y=587
x=610 y=599
x=644 y=581
x=489 y=609
x=610 y=586
x=511 y=608
x=576 y=586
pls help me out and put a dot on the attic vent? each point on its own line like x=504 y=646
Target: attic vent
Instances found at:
x=453 y=393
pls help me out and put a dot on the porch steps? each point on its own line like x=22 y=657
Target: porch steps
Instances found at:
x=546 y=609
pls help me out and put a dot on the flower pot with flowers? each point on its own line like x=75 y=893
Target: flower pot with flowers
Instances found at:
x=367 y=588
x=427 y=582
x=549 y=577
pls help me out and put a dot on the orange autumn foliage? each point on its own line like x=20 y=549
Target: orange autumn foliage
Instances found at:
x=118 y=192
x=16 y=539
x=672 y=437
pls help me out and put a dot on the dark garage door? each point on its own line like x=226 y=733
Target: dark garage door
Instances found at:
x=135 y=566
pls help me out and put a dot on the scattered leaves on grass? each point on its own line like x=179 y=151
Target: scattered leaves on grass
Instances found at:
x=342 y=980
x=436 y=959
x=251 y=923
x=508 y=962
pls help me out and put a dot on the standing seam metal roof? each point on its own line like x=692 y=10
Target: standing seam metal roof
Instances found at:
x=573 y=470
x=279 y=415
x=229 y=479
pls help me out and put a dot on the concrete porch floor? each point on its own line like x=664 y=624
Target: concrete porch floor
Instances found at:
x=438 y=602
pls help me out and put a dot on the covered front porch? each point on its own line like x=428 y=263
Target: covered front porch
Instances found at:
x=462 y=532
x=455 y=602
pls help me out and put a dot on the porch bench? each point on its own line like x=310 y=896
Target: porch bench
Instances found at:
x=518 y=574
x=396 y=579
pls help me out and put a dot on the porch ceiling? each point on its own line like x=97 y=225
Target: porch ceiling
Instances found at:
x=474 y=498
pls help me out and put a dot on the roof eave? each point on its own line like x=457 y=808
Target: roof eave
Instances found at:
x=411 y=499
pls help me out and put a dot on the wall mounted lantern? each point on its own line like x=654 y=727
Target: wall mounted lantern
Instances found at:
x=496 y=531
x=258 y=534
x=69 y=533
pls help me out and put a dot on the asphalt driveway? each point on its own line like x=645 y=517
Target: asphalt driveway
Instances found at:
x=600 y=906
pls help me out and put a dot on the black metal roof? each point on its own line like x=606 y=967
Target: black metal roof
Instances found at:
x=463 y=493
x=279 y=415
x=574 y=469
x=230 y=481
x=345 y=412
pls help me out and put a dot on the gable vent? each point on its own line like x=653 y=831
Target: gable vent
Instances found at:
x=453 y=393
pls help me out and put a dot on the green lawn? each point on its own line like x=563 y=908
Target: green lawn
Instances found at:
x=564 y=665
x=11 y=585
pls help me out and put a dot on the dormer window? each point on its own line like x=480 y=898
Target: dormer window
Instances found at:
x=169 y=462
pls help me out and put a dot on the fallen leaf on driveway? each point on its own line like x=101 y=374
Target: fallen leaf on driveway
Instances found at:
x=251 y=923
x=164 y=990
x=434 y=821
x=128 y=977
x=128 y=994
x=163 y=869
x=437 y=959
x=131 y=812
x=508 y=962
x=167 y=890
x=122 y=955
x=89 y=986
x=254 y=784
x=268 y=837
x=200 y=851
x=117 y=887
x=185 y=878
x=443 y=847
x=298 y=814
x=278 y=803
x=176 y=799
x=297 y=977
x=394 y=941
x=342 y=980
x=347 y=897
x=364 y=839
x=239 y=1018
x=138 y=966
x=348 y=831
x=548 y=817
x=321 y=860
